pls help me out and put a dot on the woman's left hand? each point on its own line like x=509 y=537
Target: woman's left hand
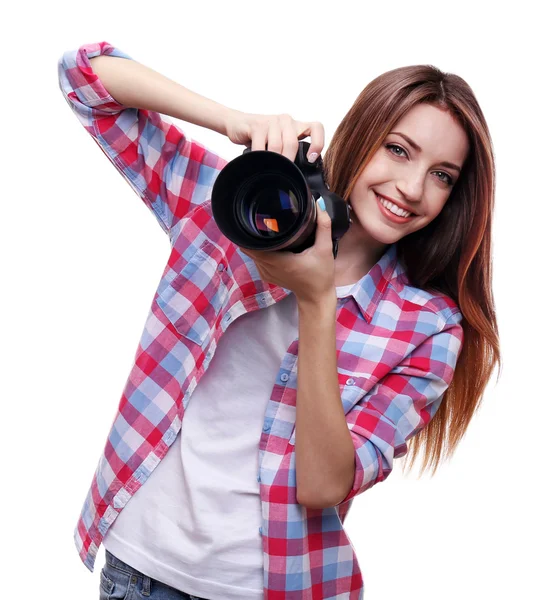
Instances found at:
x=309 y=274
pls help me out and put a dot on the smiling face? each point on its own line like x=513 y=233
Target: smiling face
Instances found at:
x=418 y=179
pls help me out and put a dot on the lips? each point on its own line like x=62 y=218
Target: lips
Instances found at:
x=390 y=215
x=398 y=204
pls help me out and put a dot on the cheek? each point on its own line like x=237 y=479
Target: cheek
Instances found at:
x=431 y=213
x=375 y=173
x=437 y=207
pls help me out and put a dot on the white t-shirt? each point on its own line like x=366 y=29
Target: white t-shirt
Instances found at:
x=195 y=523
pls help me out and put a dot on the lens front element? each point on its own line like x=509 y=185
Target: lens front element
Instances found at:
x=268 y=206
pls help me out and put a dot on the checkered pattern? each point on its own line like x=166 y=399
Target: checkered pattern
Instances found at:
x=397 y=350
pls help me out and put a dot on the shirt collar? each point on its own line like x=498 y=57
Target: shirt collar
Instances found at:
x=368 y=291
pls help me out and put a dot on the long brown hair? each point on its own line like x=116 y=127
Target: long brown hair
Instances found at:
x=452 y=254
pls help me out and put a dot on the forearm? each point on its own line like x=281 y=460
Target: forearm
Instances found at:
x=132 y=84
x=325 y=454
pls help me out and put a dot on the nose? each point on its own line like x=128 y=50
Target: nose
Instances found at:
x=411 y=188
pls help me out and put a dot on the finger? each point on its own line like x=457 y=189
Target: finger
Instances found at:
x=274 y=141
x=323 y=218
x=253 y=254
x=259 y=136
x=290 y=141
x=323 y=237
x=303 y=130
x=317 y=138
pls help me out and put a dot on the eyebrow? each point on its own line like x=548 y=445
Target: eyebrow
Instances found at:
x=419 y=149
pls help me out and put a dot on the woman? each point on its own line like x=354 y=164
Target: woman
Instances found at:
x=381 y=327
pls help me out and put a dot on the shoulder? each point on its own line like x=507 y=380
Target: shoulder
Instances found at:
x=420 y=303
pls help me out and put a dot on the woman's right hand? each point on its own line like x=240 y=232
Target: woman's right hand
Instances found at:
x=277 y=133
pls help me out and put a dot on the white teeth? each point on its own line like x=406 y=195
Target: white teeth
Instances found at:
x=394 y=208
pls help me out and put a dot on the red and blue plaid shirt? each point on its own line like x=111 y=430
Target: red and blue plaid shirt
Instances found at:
x=397 y=350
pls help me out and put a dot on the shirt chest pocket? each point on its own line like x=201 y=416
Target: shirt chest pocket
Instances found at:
x=193 y=297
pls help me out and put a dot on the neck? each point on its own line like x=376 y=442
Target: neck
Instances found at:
x=357 y=254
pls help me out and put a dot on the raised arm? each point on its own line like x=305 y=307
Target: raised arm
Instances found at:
x=135 y=85
x=123 y=106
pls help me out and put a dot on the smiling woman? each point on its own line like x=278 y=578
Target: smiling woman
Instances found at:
x=300 y=402
x=427 y=151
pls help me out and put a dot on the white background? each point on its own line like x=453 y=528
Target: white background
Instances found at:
x=82 y=256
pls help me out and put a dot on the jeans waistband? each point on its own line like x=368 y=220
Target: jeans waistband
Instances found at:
x=119 y=564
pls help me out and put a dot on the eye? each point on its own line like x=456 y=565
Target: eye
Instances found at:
x=447 y=180
x=395 y=146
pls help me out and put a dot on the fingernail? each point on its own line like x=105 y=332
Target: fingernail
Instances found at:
x=312 y=157
x=321 y=203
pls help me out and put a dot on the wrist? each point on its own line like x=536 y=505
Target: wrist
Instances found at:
x=322 y=303
x=227 y=117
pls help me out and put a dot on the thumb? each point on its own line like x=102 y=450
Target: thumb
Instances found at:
x=323 y=218
x=324 y=224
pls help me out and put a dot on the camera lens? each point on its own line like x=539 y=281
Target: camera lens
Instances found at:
x=263 y=201
x=268 y=206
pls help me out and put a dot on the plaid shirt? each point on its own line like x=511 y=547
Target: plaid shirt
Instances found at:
x=397 y=349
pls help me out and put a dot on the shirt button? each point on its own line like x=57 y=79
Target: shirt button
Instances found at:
x=260 y=531
x=258 y=479
x=220 y=267
x=350 y=381
x=266 y=427
x=284 y=377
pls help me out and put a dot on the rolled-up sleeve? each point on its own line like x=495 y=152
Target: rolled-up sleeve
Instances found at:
x=171 y=173
x=401 y=405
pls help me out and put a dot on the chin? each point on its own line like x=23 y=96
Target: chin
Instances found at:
x=382 y=234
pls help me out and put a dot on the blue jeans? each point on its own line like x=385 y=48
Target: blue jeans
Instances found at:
x=120 y=581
